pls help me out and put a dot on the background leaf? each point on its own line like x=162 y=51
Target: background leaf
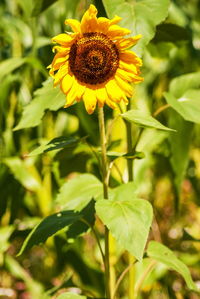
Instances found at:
x=46 y=97
x=141 y=17
x=40 y=6
x=188 y=105
x=180 y=146
x=162 y=254
x=144 y=120
x=170 y=33
x=9 y=65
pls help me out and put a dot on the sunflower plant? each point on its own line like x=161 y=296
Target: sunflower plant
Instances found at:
x=96 y=64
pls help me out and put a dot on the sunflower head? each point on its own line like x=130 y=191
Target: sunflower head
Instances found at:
x=93 y=63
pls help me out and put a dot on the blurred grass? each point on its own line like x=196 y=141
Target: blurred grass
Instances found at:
x=29 y=185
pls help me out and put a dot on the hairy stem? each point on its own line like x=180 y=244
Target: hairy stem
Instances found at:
x=104 y=169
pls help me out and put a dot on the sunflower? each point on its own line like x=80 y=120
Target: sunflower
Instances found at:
x=93 y=63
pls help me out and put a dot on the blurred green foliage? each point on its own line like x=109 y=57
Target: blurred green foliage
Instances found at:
x=34 y=181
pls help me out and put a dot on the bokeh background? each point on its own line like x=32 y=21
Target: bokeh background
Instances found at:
x=168 y=176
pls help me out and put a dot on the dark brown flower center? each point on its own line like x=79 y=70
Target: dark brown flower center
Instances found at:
x=93 y=58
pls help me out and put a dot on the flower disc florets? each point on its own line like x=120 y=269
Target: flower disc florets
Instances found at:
x=93 y=58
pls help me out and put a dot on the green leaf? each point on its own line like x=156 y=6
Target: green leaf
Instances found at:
x=9 y=65
x=140 y=16
x=180 y=145
x=129 y=221
x=79 y=227
x=20 y=171
x=181 y=84
x=48 y=227
x=170 y=33
x=124 y=191
x=55 y=144
x=162 y=254
x=144 y=120
x=129 y=156
x=187 y=105
x=78 y=192
x=5 y=233
x=40 y=6
x=47 y=97
x=71 y=296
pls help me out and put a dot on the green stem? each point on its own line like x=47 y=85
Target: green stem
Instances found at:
x=104 y=168
x=131 y=259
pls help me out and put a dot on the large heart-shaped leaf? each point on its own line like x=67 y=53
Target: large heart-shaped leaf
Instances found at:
x=162 y=254
x=128 y=220
x=144 y=120
x=140 y=16
x=77 y=193
x=46 y=97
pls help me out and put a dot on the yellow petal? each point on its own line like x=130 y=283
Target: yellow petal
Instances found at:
x=60 y=49
x=110 y=103
x=90 y=100
x=114 y=91
x=125 y=86
x=115 y=31
x=89 y=20
x=63 y=39
x=66 y=83
x=61 y=73
x=58 y=61
x=71 y=96
x=128 y=67
x=74 y=24
x=80 y=90
x=103 y=24
x=128 y=76
x=101 y=95
x=115 y=20
x=126 y=43
x=130 y=57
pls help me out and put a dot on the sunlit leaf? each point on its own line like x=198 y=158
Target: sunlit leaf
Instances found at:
x=144 y=120
x=140 y=16
x=188 y=105
x=179 y=85
x=162 y=254
x=5 y=233
x=9 y=65
x=21 y=172
x=77 y=192
x=46 y=97
x=129 y=221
